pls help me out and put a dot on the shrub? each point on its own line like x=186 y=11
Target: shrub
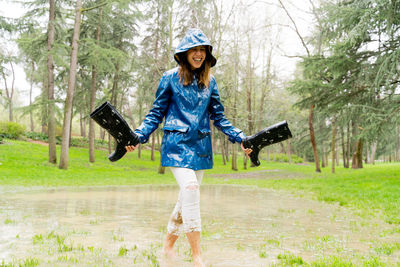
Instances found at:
x=75 y=141
x=84 y=142
x=11 y=130
x=285 y=158
x=41 y=137
x=37 y=136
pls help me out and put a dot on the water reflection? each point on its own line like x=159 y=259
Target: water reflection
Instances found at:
x=121 y=226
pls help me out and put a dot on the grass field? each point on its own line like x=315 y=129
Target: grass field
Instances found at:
x=373 y=189
x=373 y=192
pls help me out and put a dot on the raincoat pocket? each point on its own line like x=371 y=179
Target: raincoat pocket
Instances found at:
x=177 y=128
x=203 y=133
x=204 y=143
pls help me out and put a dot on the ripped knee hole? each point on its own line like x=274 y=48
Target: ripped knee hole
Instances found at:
x=192 y=187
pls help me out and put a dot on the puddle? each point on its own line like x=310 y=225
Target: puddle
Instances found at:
x=125 y=226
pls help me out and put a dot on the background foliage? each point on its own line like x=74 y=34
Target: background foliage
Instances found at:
x=349 y=73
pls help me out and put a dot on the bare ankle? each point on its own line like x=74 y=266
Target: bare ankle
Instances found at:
x=169 y=252
x=197 y=261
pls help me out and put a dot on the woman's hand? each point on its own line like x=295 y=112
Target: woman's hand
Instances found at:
x=247 y=151
x=131 y=148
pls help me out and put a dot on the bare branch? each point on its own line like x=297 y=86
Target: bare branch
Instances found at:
x=295 y=26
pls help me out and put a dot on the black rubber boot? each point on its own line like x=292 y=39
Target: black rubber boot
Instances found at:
x=109 y=119
x=271 y=135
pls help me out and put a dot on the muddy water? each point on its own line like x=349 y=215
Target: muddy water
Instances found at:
x=125 y=226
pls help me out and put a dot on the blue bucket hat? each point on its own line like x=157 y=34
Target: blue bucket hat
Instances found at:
x=195 y=37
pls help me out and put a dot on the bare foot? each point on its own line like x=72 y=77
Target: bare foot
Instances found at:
x=198 y=262
x=169 y=253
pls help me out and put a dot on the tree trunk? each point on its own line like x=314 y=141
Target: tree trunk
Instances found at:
x=357 y=161
x=333 y=146
x=337 y=154
x=221 y=141
x=234 y=159
x=398 y=144
x=153 y=146
x=11 y=114
x=109 y=143
x=30 y=98
x=372 y=153
x=92 y=103
x=312 y=137
x=348 y=147
x=249 y=95
x=9 y=93
x=43 y=108
x=114 y=102
x=226 y=147
x=161 y=169
x=82 y=122
x=50 y=86
x=139 y=149
x=71 y=88
x=102 y=134
x=343 y=147
x=235 y=100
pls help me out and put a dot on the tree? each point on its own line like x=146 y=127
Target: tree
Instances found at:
x=359 y=82
x=311 y=103
x=8 y=59
x=50 y=85
x=93 y=89
x=71 y=88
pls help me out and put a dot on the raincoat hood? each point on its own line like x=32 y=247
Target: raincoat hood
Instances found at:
x=195 y=37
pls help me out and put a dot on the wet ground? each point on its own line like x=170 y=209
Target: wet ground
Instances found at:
x=125 y=226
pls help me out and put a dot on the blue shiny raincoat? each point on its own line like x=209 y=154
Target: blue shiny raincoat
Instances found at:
x=187 y=111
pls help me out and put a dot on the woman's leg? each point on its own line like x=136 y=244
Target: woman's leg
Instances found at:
x=173 y=229
x=189 y=202
x=175 y=220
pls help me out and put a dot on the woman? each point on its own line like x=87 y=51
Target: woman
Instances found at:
x=188 y=98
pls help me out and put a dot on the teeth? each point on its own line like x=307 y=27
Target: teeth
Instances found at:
x=197 y=60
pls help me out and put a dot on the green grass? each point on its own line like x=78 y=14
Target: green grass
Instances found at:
x=374 y=190
x=289 y=259
x=26 y=164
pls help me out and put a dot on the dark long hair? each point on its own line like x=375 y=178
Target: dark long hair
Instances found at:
x=187 y=75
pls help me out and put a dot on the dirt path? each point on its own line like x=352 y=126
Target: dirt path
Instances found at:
x=261 y=174
x=37 y=142
x=242 y=226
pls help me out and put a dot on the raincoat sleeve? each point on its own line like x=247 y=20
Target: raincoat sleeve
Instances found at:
x=216 y=111
x=158 y=111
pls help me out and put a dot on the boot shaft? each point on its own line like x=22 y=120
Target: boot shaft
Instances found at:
x=271 y=135
x=268 y=136
x=110 y=119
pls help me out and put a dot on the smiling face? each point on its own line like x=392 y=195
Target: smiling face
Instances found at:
x=196 y=56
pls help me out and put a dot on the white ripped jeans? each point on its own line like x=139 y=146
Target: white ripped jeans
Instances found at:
x=186 y=214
